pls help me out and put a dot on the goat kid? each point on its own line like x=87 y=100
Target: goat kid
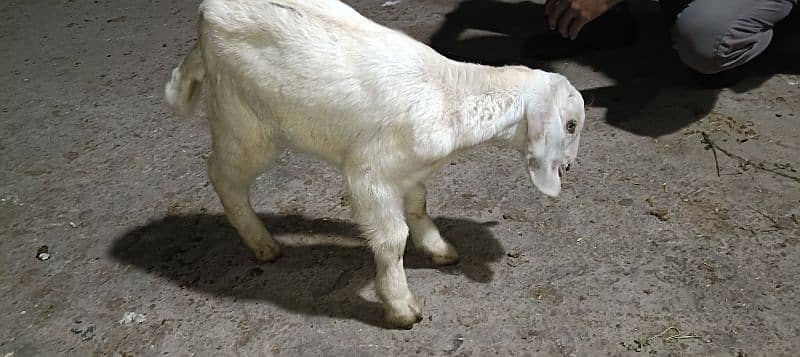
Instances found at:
x=318 y=77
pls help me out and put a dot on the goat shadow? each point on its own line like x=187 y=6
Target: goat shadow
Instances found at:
x=650 y=96
x=204 y=253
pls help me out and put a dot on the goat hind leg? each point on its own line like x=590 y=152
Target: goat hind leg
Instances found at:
x=232 y=170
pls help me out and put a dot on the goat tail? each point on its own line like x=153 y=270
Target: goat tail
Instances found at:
x=183 y=89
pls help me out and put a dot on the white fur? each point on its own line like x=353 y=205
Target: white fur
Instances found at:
x=316 y=76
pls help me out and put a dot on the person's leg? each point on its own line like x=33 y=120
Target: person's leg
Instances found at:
x=712 y=36
x=671 y=8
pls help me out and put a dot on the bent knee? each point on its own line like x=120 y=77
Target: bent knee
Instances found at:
x=711 y=45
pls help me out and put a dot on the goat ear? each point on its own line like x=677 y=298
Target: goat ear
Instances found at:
x=545 y=137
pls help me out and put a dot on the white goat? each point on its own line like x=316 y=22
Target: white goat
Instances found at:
x=318 y=77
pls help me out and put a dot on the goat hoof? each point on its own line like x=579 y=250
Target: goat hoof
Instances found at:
x=407 y=316
x=449 y=257
x=268 y=253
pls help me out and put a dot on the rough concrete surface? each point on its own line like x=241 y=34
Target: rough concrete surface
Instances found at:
x=645 y=236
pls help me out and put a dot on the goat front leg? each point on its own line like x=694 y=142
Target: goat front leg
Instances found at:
x=424 y=233
x=378 y=208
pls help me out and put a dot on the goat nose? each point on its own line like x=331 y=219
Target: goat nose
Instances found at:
x=567 y=166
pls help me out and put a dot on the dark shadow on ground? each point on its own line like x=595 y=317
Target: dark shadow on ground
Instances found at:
x=203 y=252
x=651 y=96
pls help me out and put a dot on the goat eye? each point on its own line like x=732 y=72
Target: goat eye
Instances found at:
x=571 y=126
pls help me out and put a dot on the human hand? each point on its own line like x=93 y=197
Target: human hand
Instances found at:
x=569 y=16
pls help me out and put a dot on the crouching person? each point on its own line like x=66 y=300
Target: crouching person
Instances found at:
x=710 y=36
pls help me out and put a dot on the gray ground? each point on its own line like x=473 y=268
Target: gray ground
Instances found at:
x=95 y=168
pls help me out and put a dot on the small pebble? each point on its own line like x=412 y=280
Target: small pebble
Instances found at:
x=43 y=253
x=131 y=317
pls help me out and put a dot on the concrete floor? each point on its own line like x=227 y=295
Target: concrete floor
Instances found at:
x=95 y=168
